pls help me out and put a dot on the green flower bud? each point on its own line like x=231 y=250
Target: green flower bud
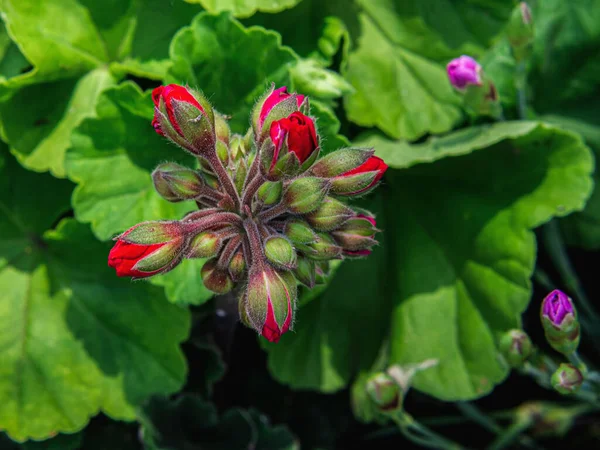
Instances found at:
x=384 y=392
x=270 y=192
x=516 y=347
x=205 y=245
x=330 y=215
x=325 y=248
x=222 y=129
x=341 y=162
x=299 y=232
x=280 y=252
x=520 y=31
x=223 y=152
x=305 y=272
x=176 y=183
x=154 y=232
x=237 y=265
x=567 y=379
x=306 y=194
x=216 y=279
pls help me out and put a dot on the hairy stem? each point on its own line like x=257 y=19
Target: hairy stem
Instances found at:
x=251 y=189
x=271 y=213
x=224 y=178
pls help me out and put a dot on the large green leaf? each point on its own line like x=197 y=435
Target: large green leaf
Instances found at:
x=58 y=38
x=155 y=22
x=397 y=90
x=245 y=8
x=38 y=120
x=111 y=159
x=74 y=339
x=214 y=51
x=454 y=267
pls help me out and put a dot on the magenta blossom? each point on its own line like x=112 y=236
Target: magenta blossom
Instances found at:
x=556 y=306
x=464 y=71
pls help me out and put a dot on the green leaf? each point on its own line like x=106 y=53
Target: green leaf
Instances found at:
x=190 y=422
x=74 y=338
x=401 y=92
x=567 y=42
x=39 y=119
x=582 y=229
x=183 y=285
x=60 y=442
x=453 y=271
x=155 y=24
x=58 y=38
x=245 y=8
x=212 y=53
x=111 y=159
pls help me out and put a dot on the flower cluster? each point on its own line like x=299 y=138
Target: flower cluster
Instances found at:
x=271 y=212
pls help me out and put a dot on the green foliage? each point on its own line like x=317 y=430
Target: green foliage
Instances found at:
x=458 y=206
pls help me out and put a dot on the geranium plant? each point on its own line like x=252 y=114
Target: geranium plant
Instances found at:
x=283 y=224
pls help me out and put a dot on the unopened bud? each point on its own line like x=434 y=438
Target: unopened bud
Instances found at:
x=280 y=252
x=241 y=171
x=270 y=301
x=559 y=319
x=154 y=232
x=222 y=129
x=223 y=152
x=205 y=245
x=520 y=31
x=330 y=215
x=216 y=279
x=270 y=192
x=567 y=379
x=325 y=248
x=384 y=392
x=305 y=272
x=341 y=161
x=237 y=265
x=185 y=117
x=306 y=194
x=516 y=347
x=299 y=232
x=322 y=271
x=176 y=183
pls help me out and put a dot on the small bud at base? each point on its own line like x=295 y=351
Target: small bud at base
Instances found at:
x=384 y=392
x=567 y=379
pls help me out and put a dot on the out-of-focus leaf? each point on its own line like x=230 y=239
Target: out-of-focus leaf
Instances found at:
x=190 y=422
x=245 y=8
x=74 y=338
x=60 y=442
x=455 y=262
x=329 y=127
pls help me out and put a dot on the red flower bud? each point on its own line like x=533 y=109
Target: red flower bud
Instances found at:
x=269 y=301
x=356 y=236
x=124 y=256
x=276 y=97
x=373 y=164
x=298 y=131
x=168 y=94
x=147 y=249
